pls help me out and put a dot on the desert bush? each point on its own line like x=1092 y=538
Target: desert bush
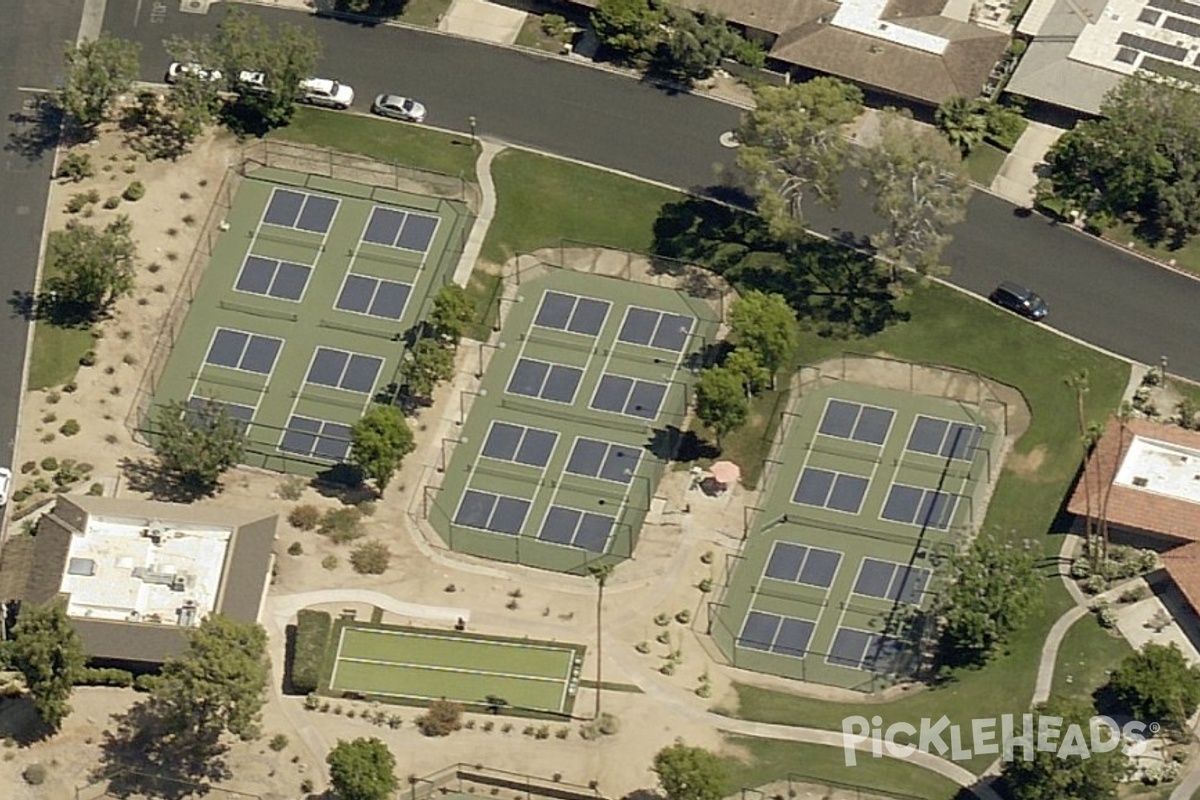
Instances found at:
x=88 y=359
x=442 y=719
x=69 y=428
x=49 y=463
x=134 y=191
x=75 y=167
x=76 y=203
x=342 y=525
x=278 y=742
x=112 y=202
x=329 y=562
x=96 y=490
x=295 y=549
x=370 y=558
x=34 y=774
x=291 y=488
x=30 y=466
x=304 y=517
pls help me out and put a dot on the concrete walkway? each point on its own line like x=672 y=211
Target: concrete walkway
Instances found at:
x=479 y=19
x=487 y=210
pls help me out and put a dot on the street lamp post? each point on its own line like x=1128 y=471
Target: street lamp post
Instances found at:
x=471 y=120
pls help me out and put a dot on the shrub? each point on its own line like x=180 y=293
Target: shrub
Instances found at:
x=329 y=562
x=1188 y=412
x=683 y=617
x=295 y=549
x=70 y=387
x=642 y=647
x=542 y=733
x=93 y=195
x=49 y=463
x=96 y=490
x=94 y=676
x=1017 y=47
x=370 y=558
x=75 y=167
x=312 y=637
x=134 y=191
x=69 y=428
x=292 y=488
x=1134 y=595
x=144 y=683
x=707 y=557
x=34 y=774
x=129 y=360
x=367 y=508
x=306 y=786
x=562 y=733
x=76 y=203
x=30 y=466
x=342 y=525
x=662 y=619
x=88 y=359
x=442 y=719
x=1105 y=614
x=555 y=25
x=112 y=202
x=278 y=742
x=304 y=517
x=705 y=585
x=189 y=219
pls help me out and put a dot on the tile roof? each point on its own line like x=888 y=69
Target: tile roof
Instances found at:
x=1136 y=508
x=1183 y=566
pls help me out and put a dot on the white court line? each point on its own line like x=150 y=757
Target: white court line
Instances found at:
x=522 y=645
x=457 y=670
x=338 y=656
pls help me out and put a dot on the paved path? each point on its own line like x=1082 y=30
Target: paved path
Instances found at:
x=487 y=209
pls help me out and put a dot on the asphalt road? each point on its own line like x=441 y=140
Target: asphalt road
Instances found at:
x=32 y=36
x=1094 y=292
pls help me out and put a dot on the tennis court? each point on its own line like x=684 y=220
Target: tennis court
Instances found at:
x=298 y=322
x=872 y=491
x=558 y=461
x=410 y=664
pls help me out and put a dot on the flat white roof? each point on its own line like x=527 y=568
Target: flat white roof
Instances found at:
x=864 y=16
x=1161 y=468
x=1127 y=32
x=145 y=570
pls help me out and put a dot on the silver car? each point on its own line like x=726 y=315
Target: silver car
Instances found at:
x=397 y=107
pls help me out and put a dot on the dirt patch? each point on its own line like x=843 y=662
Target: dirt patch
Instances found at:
x=1027 y=465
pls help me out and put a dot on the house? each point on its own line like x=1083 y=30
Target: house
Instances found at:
x=135 y=576
x=1151 y=472
x=923 y=51
x=1080 y=50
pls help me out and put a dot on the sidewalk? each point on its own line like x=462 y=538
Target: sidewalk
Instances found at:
x=1017 y=179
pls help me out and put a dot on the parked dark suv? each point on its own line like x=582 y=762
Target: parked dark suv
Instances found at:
x=1019 y=299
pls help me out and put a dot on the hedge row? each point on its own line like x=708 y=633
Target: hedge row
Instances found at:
x=93 y=676
x=312 y=637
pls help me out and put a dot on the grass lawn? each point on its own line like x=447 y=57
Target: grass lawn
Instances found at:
x=543 y=200
x=54 y=359
x=1087 y=652
x=382 y=139
x=532 y=35
x=984 y=162
x=773 y=760
x=426 y=13
x=750 y=445
x=954 y=330
x=483 y=290
x=1186 y=257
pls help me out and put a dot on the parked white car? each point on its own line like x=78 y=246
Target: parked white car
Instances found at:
x=178 y=69
x=325 y=92
x=397 y=107
x=5 y=484
x=253 y=81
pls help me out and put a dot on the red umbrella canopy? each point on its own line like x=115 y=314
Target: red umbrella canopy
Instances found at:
x=726 y=472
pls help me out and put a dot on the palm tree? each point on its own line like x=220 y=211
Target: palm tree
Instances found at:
x=1123 y=417
x=963 y=121
x=599 y=572
x=1088 y=436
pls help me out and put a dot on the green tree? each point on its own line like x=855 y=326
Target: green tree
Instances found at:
x=995 y=587
x=93 y=268
x=793 y=145
x=964 y=122
x=690 y=773
x=452 y=312
x=1140 y=160
x=285 y=55
x=46 y=650
x=630 y=28
x=363 y=769
x=217 y=686
x=766 y=325
x=748 y=364
x=98 y=70
x=721 y=402
x=920 y=190
x=1046 y=776
x=695 y=44
x=197 y=445
x=1156 y=683
x=379 y=442
x=427 y=364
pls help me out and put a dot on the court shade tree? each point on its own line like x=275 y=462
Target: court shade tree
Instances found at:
x=765 y=324
x=48 y=653
x=196 y=444
x=362 y=769
x=97 y=72
x=1157 y=683
x=1046 y=776
x=285 y=55
x=721 y=402
x=793 y=146
x=690 y=773
x=93 y=269
x=452 y=313
x=994 y=589
x=748 y=364
x=379 y=441
x=920 y=189
x=425 y=365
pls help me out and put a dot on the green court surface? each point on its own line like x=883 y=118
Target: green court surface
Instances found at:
x=579 y=410
x=298 y=321
x=871 y=491
x=410 y=664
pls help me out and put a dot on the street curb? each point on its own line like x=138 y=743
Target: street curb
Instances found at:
x=528 y=51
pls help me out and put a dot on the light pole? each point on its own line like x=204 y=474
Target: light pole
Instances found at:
x=471 y=120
